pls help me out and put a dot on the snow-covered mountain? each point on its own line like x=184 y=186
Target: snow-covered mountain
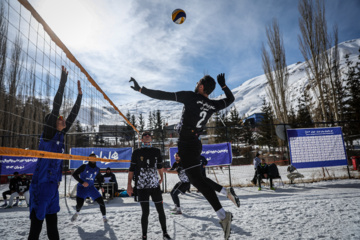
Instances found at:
x=248 y=96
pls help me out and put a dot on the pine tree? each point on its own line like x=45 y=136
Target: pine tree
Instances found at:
x=220 y=127
x=141 y=122
x=234 y=129
x=158 y=125
x=303 y=117
x=150 y=121
x=266 y=129
x=351 y=104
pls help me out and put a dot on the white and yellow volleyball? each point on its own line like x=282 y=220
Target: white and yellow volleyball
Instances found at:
x=178 y=16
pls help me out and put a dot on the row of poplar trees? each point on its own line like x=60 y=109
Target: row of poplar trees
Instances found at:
x=330 y=98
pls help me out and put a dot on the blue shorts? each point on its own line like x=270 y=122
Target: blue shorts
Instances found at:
x=90 y=191
x=44 y=199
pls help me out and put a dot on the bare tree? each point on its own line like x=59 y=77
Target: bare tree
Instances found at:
x=314 y=42
x=276 y=72
x=3 y=53
x=15 y=72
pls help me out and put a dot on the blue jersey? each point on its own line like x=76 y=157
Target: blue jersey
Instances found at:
x=49 y=170
x=89 y=174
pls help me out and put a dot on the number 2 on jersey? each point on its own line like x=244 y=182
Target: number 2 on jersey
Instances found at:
x=203 y=116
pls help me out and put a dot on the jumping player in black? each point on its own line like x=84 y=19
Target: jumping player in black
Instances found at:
x=197 y=110
x=146 y=166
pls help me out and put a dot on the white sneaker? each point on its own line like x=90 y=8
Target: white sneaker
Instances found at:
x=226 y=225
x=174 y=209
x=105 y=219
x=74 y=217
x=232 y=196
x=177 y=212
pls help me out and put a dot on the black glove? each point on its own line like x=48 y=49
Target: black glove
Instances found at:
x=136 y=86
x=221 y=80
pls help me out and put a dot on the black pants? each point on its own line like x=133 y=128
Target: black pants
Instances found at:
x=99 y=200
x=180 y=187
x=8 y=192
x=190 y=148
x=260 y=177
x=255 y=176
x=145 y=207
x=36 y=226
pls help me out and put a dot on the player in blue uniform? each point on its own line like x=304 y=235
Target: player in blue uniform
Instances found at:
x=44 y=194
x=86 y=175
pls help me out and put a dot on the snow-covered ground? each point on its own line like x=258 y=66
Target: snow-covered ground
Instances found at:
x=320 y=210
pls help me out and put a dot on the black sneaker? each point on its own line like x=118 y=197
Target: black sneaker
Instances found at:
x=166 y=236
x=232 y=196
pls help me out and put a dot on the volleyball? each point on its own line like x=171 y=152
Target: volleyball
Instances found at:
x=178 y=16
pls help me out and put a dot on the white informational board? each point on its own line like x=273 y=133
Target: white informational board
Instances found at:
x=316 y=147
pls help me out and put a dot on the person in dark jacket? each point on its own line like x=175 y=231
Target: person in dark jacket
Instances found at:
x=12 y=188
x=263 y=172
x=145 y=169
x=44 y=194
x=110 y=177
x=22 y=189
x=86 y=175
x=256 y=162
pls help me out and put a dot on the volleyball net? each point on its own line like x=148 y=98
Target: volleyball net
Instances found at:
x=31 y=60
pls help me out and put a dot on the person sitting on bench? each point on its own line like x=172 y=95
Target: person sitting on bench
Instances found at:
x=263 y=172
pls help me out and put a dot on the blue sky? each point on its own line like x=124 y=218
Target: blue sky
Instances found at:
x=118 y=39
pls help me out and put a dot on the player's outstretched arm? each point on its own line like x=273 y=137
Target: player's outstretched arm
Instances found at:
x=157 y=94
x=50 y=125
x=75 y=110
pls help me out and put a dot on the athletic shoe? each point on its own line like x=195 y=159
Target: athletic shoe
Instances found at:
x=15 y=205
x=272 y=188
x=8 y=206
x=4 y=205
x=105 y=219
x=74 y=217
x=144 y=237
x=232 y=196
x=259 y=189
x=177 y=212
x=174 y=209
x=166 y=236
x=226 y=225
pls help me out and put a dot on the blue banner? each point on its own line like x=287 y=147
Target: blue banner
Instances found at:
x=317 y=147
x=108 y=153
x=216 y=154
x=9 y=165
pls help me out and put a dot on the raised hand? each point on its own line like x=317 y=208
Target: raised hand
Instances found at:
x=221 y=80
x=64 y=74
x=136 y=86
x=79 y=88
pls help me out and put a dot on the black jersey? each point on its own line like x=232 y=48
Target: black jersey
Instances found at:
x=181 y=172
x=197 y=108
x=23 y=185
x=144 y=163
